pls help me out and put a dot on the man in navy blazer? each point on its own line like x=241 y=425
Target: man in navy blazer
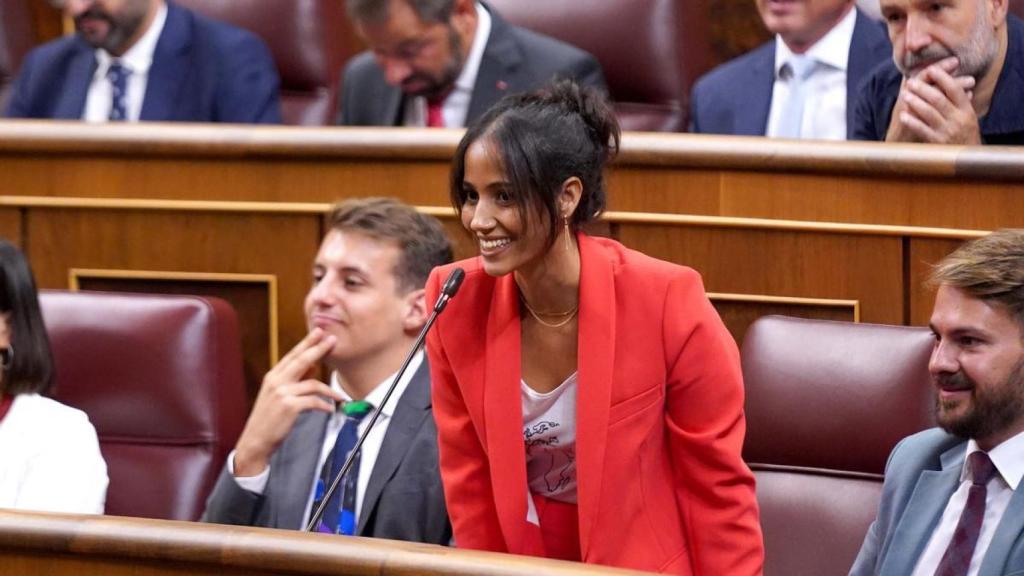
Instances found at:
x=459 y=54
x=199 y=70
x=951 y=502
x=737 y=97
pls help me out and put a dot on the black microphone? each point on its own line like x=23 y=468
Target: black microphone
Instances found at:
x=448 y=290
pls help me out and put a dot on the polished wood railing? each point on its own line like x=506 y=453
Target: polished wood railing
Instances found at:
x=53 y=545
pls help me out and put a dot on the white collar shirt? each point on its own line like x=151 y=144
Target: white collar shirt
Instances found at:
x=825 y=103
x=138 y=59
x=455 y=108
x=1008 y=458
x=371 y=447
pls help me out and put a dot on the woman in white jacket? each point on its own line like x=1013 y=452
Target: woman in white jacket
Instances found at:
x=49 y=455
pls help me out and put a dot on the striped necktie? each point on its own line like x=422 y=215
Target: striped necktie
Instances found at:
x=340 y=514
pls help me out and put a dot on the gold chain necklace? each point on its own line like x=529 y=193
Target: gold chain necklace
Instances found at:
x=570 y=314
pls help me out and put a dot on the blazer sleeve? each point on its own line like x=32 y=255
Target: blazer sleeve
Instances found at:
x=250 y=91
x=229 y=503
x=20 y=103
x=706 y=426
x=464 y=466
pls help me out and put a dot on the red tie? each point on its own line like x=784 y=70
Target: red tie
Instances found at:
x=435 y=119
x=957 y=558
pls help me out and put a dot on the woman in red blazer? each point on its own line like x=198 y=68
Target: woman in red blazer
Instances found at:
x=589 y=400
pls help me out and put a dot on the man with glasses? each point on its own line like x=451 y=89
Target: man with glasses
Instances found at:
x=442 y=63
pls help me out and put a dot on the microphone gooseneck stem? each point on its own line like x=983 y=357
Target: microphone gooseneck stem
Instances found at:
x=450 y=287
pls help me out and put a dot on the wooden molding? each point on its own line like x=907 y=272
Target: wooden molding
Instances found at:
x=787 y=300
x=75 y=275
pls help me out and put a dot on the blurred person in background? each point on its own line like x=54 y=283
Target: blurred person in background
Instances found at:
x=49 y=454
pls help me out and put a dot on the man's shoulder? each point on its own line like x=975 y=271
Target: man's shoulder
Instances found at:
x=920 y=451
x=56 y=51
x=727 y=75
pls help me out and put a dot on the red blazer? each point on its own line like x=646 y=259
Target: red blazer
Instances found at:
x=659 y=416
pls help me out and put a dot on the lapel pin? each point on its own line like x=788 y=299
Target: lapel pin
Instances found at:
x=502 y=85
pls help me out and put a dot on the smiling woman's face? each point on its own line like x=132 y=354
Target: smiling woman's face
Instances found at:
x=491 y=214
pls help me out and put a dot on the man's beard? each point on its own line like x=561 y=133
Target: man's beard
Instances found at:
x=119 y=32
x=441 y=85
x=975 y=56
x=992 y=410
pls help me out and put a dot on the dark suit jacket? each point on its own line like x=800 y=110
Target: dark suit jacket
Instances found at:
x=922 y=473
x=736 y=97
x=514 y=60
x=403 y=501
x=203 y=71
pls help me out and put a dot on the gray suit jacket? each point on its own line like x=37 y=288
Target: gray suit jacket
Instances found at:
x=922 y=473
x=514 y=60
x=404 y=499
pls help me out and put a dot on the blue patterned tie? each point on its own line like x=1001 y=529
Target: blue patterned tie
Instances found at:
x=118 y=77
x=340 y=514
x=957 y=558
x=799 y=69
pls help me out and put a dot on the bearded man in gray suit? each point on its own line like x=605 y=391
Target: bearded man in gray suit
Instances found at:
x=951 y=503
x=443 y=63
x=364 y=310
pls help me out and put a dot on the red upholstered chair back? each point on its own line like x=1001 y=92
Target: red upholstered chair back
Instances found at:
x=651 y=50
x=826 y=403
x=308 y=41
x=1017 y=7
x=161 y=380
x=17 y=37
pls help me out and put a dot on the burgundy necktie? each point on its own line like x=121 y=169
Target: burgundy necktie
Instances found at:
x=957 y=558
x=435 y=118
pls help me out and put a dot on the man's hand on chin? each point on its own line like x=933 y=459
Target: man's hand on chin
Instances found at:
x=934 y=106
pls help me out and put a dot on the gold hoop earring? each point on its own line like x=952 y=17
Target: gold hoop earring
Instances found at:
x=568 y=244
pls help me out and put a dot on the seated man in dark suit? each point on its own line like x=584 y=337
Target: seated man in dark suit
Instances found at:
x=956 y=76
x=444 y=62
x=147 y=60
x=800 y=85
x=951 y=503
x=364 y=310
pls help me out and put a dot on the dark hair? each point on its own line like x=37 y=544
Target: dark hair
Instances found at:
x=543 y=138
x=989 y=268
x=421 y=238
x=377 y=11
x=31 y=367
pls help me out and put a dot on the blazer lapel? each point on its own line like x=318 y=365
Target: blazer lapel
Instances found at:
x=408 y=417
x=923 y=511
x=1008 y=533
x=292 y=475
x=504 y=420
x=596 y=364
x=497 y=72
x=752 y=117
x=170 y=66
x=869 y=46
x=76 y=86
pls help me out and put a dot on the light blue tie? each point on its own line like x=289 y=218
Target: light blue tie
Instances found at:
x=118 y=76
x=798 y=69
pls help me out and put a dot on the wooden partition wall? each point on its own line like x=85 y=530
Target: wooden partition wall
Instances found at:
x=34 y=544
x=827 y=230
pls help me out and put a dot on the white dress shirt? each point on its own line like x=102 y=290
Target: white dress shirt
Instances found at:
x=825 y=102
x=1008 y=458
x=456 y=106
x=50 y=458
x=138 y=59
x=371 y=447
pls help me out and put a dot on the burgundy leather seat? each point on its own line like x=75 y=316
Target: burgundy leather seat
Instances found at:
x=826 y=403
x=308 y=41
x=17 y=37
x=161 y=380
x=651 y=50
